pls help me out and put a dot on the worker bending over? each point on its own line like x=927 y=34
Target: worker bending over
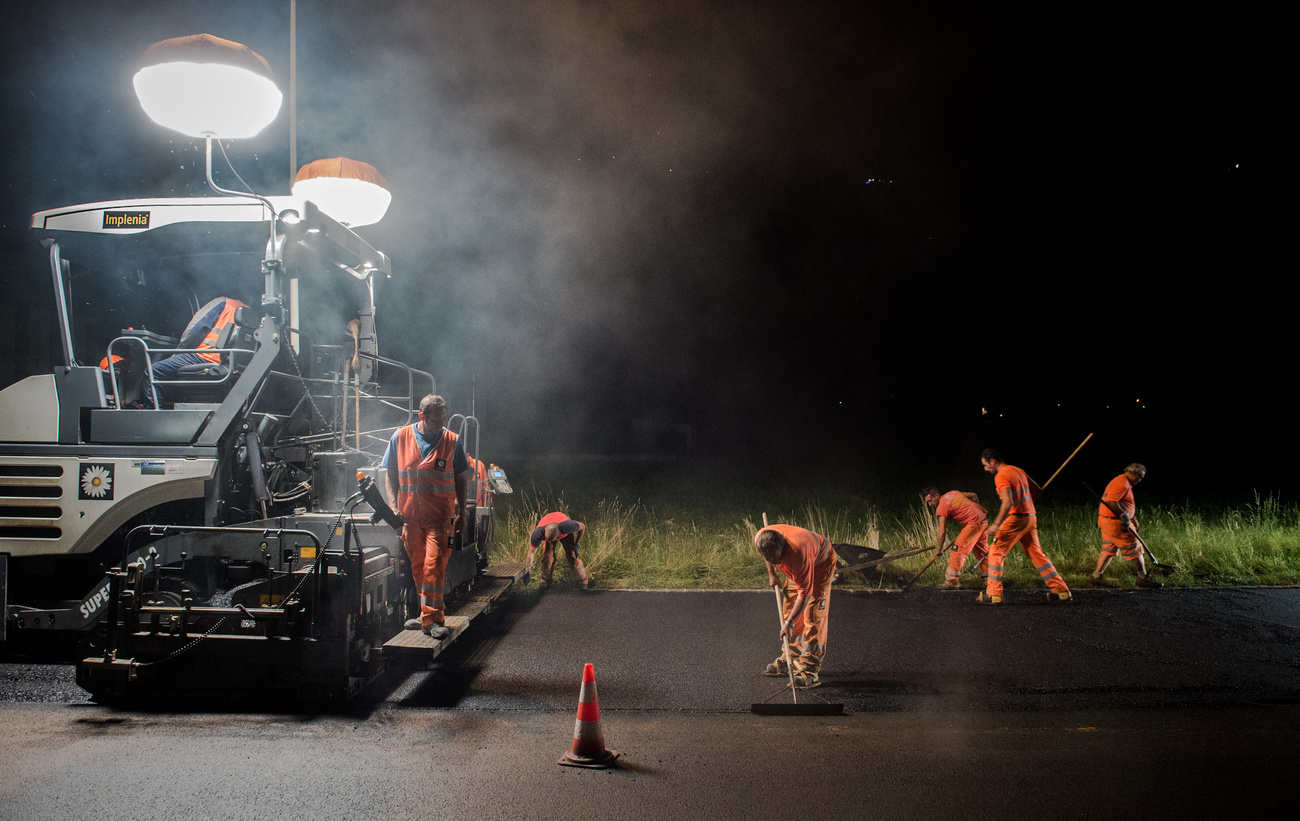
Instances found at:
x=1017 y=521
x=964 y=509
x=1117 y=518
x=428 y=475
x=807 y=561
x=553 y=528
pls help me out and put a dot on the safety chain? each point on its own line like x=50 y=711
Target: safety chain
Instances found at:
x=315 y=568
x=293 y=357
x=187 y=647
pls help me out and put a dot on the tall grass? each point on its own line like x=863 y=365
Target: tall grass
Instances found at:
x=687 y=542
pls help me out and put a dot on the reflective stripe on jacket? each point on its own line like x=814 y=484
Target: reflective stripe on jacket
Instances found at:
x=806 y=552
x=1017 y=481
x=1120 y=494
x=215 y=316
x=479 y=489
x=426 y=488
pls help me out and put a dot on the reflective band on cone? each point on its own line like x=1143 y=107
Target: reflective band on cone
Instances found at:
x=588 y=748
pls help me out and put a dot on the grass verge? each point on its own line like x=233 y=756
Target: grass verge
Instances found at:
x=685 y=544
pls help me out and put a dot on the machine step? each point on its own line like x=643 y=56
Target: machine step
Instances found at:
x=490 y=585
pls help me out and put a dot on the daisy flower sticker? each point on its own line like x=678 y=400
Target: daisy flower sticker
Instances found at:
x=97 y=482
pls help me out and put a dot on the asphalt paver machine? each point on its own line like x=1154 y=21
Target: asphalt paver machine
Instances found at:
x=206 y=532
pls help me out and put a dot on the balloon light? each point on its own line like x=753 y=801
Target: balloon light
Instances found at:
x=204 y=86
x=352 y=192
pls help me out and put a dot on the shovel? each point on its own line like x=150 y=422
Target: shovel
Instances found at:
x=904 y=584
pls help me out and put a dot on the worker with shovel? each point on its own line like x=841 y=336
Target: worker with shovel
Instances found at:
x=1017 y=521
x=807 y=560
x=1117 y=518
x=964 y=509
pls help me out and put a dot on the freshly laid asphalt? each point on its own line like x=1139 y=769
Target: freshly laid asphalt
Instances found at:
x=1124 y=704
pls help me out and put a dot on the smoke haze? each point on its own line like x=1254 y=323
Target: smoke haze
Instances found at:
x=766 y=226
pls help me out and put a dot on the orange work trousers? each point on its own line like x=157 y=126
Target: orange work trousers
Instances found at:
x=570 y=546
x=428 y=549
x=810 y=628
x=1115 y=538
x=1022 y=528
x=969 y=542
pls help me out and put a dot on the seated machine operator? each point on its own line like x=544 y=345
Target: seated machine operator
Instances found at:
x=203 y=331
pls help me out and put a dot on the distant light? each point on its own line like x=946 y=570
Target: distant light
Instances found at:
x=202 y=85
x=350 y=191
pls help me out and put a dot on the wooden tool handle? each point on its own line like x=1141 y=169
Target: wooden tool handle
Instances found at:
x=1066 y=462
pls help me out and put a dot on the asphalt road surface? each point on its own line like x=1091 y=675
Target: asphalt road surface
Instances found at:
x=1121 y=705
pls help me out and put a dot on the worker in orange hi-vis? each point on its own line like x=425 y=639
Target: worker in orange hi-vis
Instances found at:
x=428 y=476
x=481 y=491
x=1117 y=518
x=807 y=561
x=552 y=529
x=964 y=509
x=1017 y=521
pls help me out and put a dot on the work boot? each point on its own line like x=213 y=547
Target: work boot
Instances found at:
x=806 y=680
x=985 y=598
x=412 y=624
x=1099 y=581
x=1062 y=597
x=437 y=631
x=951 y=586
x=1149 y=583
x=776 y=669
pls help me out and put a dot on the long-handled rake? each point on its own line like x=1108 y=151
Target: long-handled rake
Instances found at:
x=764 y=708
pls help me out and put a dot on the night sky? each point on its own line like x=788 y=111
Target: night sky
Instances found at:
x=876 y=235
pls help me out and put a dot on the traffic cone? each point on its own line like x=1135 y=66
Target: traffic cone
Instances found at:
x=588 y=748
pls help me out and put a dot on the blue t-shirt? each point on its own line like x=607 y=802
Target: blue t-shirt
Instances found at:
x=567 y=528
x=459 y=464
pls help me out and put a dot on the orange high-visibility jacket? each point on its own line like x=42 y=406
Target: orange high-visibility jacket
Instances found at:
x=1119 y=493
x=955 y=506
x=806 y=552
x=426 y=488
x=1022 y=502
x=479 y=489
x=216 y=316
